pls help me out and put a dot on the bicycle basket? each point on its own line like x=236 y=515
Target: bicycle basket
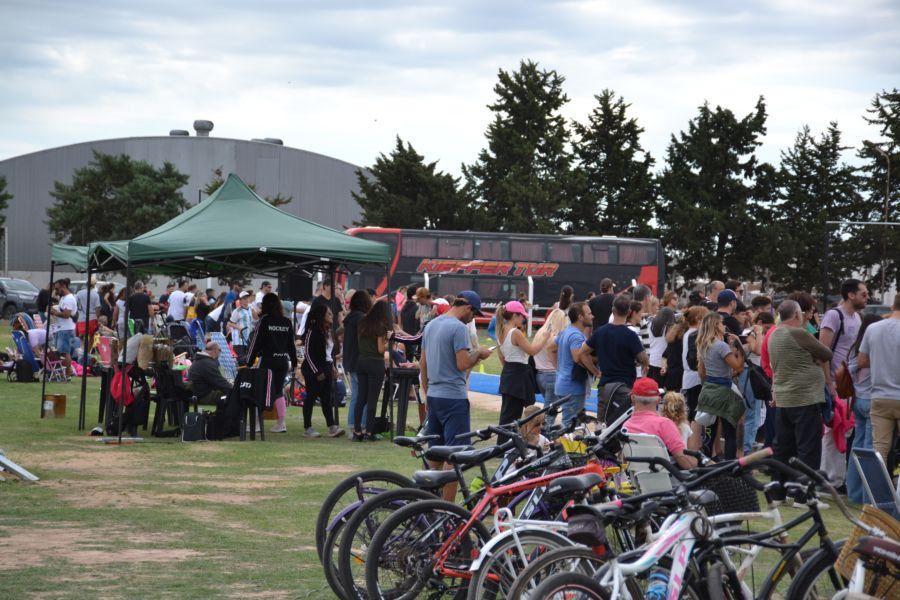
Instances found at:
x=847 y=559
x=734 y=495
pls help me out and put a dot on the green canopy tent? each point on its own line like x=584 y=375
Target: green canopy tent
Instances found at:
x=233 y=230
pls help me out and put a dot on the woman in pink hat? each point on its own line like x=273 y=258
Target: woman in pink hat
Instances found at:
x=517 y=382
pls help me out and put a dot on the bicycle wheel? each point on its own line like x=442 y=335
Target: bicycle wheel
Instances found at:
x=405 y=547
x=818 y=578
x=497 y=572
x=570 y=586
x=719 y=585
x=569 y=559
x=355 y=488
x=349 y=561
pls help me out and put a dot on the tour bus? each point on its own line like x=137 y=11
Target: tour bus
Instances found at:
x=498 y=265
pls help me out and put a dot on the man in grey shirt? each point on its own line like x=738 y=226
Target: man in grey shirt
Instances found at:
x=880 y=351
x=445 y=359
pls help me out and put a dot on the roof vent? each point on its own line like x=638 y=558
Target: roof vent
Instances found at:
x=203 y=127
x=178 y=132
x=275 y=141
x=260 y=140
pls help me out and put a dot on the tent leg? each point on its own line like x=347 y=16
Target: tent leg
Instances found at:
x=125 y=355
x=294 y=338
x=84 y=350
x=335 y=405
x=46 y=341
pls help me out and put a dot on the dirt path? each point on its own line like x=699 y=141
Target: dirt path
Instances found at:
x=485 y=401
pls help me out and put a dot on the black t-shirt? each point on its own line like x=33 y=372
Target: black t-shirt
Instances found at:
x=601 y=308
x=139 y=307
x=334 y=304
x=617 y=347
x=731 y=323
x=408 y=321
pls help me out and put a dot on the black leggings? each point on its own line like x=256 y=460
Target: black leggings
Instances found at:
x=320 y=390
x=369 y=379
x=511 y=409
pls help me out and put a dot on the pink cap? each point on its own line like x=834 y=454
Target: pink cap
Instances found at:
x=516 y=307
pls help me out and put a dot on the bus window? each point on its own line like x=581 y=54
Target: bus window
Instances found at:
x=565 y=252
x=451 y=284
x=527 y=250
x=634 y=254
x=492 y=249
x=422 y=247
x=455 y=248
x=600 y=254
x=491 y=290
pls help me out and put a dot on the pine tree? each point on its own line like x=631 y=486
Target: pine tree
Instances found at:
x=710 y=188
x=815 y=187
x=115 y=198
x=402 y=190
x=521 y=182
x=5 y=197
x=616 y=192
x=873 y=242
x=218 y=179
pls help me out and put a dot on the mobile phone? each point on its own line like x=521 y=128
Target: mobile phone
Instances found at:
x=492 y=348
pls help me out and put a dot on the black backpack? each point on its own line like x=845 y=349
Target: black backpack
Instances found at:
x=23 y=371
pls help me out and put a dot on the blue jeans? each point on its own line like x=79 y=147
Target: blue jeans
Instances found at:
x=862 y=438
x=546 y=384
x=354 y=396
x=66 y=342
x=571 y=407
x=751 y=415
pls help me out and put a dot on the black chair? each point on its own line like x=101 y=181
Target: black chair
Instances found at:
x=171 y=401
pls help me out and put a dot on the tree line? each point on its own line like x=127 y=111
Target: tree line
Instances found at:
x=719 y=210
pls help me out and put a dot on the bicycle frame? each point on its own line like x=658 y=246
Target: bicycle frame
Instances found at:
x=489 y=504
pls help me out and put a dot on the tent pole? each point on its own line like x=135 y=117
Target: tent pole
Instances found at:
x=84 y=349
x=294 y=338
x=46 y=340
x=332 y=271
x=125 y=351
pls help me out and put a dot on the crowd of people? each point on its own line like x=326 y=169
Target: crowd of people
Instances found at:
x=735 y=376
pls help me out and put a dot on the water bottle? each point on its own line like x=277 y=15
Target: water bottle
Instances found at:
x=658 y=582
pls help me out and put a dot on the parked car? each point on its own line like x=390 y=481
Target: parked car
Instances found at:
x=17 y=295
x=877 y=309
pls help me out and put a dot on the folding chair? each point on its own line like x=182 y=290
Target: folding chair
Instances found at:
x=226 y=360
x=876 y=481
x=21 y=341
x=646 y=477
x=56 y=371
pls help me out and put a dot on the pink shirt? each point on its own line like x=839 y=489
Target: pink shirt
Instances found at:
x=646 y=421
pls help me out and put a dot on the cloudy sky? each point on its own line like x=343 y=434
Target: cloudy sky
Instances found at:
x=344 y=77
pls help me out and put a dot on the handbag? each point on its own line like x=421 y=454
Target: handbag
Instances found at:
x=843 y=381
x=759 y=382
x=194 y=428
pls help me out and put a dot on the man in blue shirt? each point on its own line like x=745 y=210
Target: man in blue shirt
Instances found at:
x=618 y=351
x=571 y=370
x=446 y=357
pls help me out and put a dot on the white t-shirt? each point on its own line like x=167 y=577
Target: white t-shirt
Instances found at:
x=81 y=299
x=657 y=348
x=216 y=312
x=67 y=302
x=121 y=305
x=302 y=322
x=177 y=302
x=689 y=378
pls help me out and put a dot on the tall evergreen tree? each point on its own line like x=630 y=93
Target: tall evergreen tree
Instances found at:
x=815 y=186
x=873 y=242
x=405 y=191
x=710 y=189
x=115 y=198
x=616 y=192
x=521 y=181
x=5 y=197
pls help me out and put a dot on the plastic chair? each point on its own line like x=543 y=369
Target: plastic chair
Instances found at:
x=647 y=446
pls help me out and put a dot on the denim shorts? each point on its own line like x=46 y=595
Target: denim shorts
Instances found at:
x=66 y=342
x=448 y=417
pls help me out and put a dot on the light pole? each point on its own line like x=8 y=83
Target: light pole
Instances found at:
x=887 y=195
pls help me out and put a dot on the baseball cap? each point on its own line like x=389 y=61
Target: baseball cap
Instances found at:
x=243 y=294
x=725 y=298
x=515 y=307
x=473 y=300
x=645 y=388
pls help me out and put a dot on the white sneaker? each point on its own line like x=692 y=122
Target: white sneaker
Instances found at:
x=310 y=432
x=278 y=429
x=335 y=431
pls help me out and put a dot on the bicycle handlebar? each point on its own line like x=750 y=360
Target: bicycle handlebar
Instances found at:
x=754 y=457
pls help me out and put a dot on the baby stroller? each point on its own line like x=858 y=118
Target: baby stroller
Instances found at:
x=180 y=335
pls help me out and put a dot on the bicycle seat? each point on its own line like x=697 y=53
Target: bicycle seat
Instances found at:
x=414 y=442
x=876 y=547
x=442 y=453
x=562 y=486
x=703 y=497
x=433 y=479
x=474 y=457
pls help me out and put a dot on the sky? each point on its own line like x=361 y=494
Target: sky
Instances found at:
x=343 y=78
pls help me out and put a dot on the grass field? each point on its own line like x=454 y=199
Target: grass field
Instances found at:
x=167 y=519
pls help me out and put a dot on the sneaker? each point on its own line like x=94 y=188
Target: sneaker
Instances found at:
x=278 y=429
x=335 y=431
x=310 y=432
